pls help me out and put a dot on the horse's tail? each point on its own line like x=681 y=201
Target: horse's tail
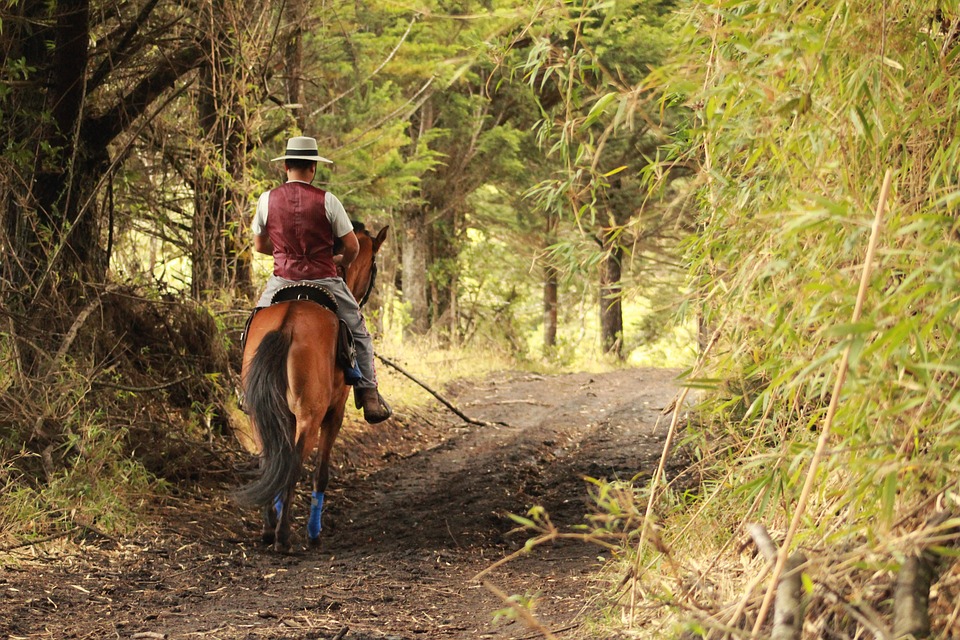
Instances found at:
x=266 y=397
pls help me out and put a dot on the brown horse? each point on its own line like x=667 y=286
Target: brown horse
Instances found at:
x=295 y=393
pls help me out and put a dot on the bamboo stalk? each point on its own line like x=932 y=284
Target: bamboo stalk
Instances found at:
x=788 y=606
x=831 y=412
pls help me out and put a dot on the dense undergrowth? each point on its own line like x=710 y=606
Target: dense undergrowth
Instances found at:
x=798 y=113
x=120 y=405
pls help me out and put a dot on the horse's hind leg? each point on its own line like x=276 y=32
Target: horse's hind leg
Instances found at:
x=281 y=543
x=269 y=534
x=321 y=475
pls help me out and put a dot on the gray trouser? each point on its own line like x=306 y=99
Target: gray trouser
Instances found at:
x=349 y=312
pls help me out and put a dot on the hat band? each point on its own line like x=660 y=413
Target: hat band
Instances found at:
x=303 y=152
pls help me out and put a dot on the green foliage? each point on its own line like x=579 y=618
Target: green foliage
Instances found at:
x=517 y=602
x=598 y=128
x=799 y=110
x=99 y=487
x=783 y=240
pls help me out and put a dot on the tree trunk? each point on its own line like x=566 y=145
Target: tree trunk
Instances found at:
x=551 y=276
x=611 y=313
x=414 y=250
x=204 y=191
x=454 y=309
x=415 y=244
x=550 y=308
x=293 y=60
x=59 y=228
x=51 y=222
x=221 y=258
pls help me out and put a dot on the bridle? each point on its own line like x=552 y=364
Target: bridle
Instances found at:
x=372 y=278
x=372 y=281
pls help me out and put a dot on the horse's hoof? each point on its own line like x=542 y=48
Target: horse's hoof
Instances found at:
x=314 y=542
x=267 y=539
x=281 y=548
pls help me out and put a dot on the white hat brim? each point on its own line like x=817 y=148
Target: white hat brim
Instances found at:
x=293 y=156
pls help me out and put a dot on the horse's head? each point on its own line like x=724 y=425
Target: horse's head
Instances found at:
x=362 y=272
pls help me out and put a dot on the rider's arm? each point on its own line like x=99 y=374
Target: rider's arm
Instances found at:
x=263 y=244
x=351 y=247
x=343 y=229
x=261 y=239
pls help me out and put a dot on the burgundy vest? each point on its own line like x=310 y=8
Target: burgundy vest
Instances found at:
x=301 y=234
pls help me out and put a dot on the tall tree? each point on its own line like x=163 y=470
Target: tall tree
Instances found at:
x=415 y=239
x=587 y=66
x=551 y=278
x=220 y=254
x=83 y=81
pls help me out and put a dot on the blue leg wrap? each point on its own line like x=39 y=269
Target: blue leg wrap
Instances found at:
x=352 y=374
x=278 y=505
x=316 y=508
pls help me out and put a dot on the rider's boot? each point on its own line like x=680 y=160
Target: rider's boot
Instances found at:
x=375 y=408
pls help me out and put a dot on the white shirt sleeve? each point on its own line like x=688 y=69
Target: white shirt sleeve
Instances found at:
x=259 y=224
x=337 y=215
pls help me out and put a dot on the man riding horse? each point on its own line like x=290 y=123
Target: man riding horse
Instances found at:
x=298 y=225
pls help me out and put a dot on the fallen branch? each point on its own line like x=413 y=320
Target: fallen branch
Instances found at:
x=551 y=536
x=911 y=598
x=156 y=387
x=788 y=605
x=436 y=395
x=31 y=543
x=72 y=333
x=765 y=544
x=56 y=536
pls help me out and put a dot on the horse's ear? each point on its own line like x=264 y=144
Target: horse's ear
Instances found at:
x=380 y=238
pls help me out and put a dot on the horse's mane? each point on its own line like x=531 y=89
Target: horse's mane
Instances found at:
x=358 y=227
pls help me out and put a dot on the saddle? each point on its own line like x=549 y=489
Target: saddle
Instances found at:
x=306 y=291
x=346 y=348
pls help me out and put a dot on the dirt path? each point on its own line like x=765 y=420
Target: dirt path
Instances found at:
x=415 y=510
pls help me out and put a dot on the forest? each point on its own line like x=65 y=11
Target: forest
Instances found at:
x=760 y=194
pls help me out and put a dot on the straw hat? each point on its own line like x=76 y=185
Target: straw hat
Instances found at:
x=303 y=148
